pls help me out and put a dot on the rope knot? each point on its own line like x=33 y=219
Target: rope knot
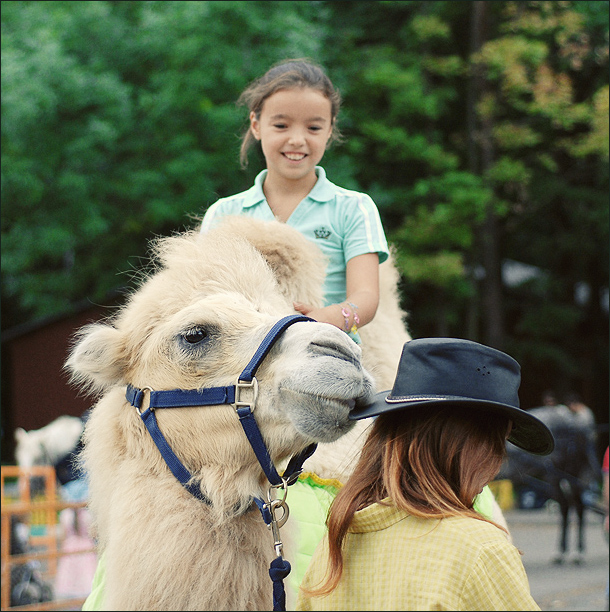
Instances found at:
x=278 y=570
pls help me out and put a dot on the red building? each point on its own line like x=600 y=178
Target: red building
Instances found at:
x=35 y=387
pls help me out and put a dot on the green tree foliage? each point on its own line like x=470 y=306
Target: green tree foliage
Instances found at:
x=479 y=128
x=118 y=122
x=546 y=99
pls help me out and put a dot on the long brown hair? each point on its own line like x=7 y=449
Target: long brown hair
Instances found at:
x=430 y=462
x=288 y=74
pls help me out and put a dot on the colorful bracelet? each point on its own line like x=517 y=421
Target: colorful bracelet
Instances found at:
x=346 y=316
x=354 y=328
x=356 y=318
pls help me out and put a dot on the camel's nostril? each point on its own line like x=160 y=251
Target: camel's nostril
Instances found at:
x=330 y=349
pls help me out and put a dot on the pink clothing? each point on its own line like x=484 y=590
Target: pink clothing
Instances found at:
x=75 y=571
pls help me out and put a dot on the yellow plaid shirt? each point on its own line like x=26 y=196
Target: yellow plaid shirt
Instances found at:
x=394 y=561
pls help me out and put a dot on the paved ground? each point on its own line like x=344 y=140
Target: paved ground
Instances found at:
x=561 y=587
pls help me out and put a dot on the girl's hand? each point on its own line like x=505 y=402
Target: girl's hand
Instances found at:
x=328 y=314
x=362 y=281
x=304 y=309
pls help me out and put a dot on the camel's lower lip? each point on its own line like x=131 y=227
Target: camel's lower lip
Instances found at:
x=349 y=402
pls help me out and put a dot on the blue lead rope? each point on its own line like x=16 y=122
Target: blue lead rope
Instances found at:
x=278 y=570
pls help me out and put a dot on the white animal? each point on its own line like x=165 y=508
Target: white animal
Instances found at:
x=49 y=444
x=195 y=323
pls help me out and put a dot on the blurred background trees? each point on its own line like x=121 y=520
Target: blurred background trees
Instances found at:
x=480 y=129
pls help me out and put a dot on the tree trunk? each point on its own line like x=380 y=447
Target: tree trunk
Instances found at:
x=481 y=162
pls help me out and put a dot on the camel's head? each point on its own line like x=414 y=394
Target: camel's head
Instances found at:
x=195 y=323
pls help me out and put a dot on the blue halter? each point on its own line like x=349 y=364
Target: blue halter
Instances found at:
x=232 y=394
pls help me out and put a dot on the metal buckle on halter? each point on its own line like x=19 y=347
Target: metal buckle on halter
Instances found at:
x=242 y=385
x=274 y=505
x=150 y=390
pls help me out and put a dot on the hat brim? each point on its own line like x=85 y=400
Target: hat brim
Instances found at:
x=528 y=433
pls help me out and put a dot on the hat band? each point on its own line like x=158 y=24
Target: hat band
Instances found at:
x=407 y=399
x=418 y=398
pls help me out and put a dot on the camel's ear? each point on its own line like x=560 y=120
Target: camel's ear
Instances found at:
x=97 y=358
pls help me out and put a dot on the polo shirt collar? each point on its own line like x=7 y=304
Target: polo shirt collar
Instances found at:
x=255 y=194
x=322 y=191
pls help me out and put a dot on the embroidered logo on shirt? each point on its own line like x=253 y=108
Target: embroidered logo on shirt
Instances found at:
x=322 y=233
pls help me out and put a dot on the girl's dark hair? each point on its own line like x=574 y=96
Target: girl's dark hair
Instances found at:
x=287 y=75
x=431 y=463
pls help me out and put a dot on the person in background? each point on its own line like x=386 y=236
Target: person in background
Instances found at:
x=552 y=413
x=605 y=488
x=580 y=411
x=293 y=112
x=549 y=398
x=571 y=471
x=402 y=532
x=585 y=419
x=605 y=495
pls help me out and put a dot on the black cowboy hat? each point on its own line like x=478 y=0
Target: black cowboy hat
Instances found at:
x=441 y=371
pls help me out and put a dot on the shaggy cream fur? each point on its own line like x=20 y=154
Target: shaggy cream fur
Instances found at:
x=195 y=321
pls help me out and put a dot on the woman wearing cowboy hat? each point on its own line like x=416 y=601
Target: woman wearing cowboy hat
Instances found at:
x=402 y=532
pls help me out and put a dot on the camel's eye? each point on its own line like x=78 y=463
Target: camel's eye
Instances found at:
x=195 y=335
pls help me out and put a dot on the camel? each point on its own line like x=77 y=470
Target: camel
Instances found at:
x=194 y=322
x=192 y=538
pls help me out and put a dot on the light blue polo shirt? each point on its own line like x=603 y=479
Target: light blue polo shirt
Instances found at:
x=341 y=222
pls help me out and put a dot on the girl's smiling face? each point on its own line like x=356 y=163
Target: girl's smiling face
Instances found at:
x=294 y=127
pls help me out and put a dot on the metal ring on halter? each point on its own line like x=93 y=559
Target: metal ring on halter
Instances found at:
x=282 y=485
x=150 y=389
